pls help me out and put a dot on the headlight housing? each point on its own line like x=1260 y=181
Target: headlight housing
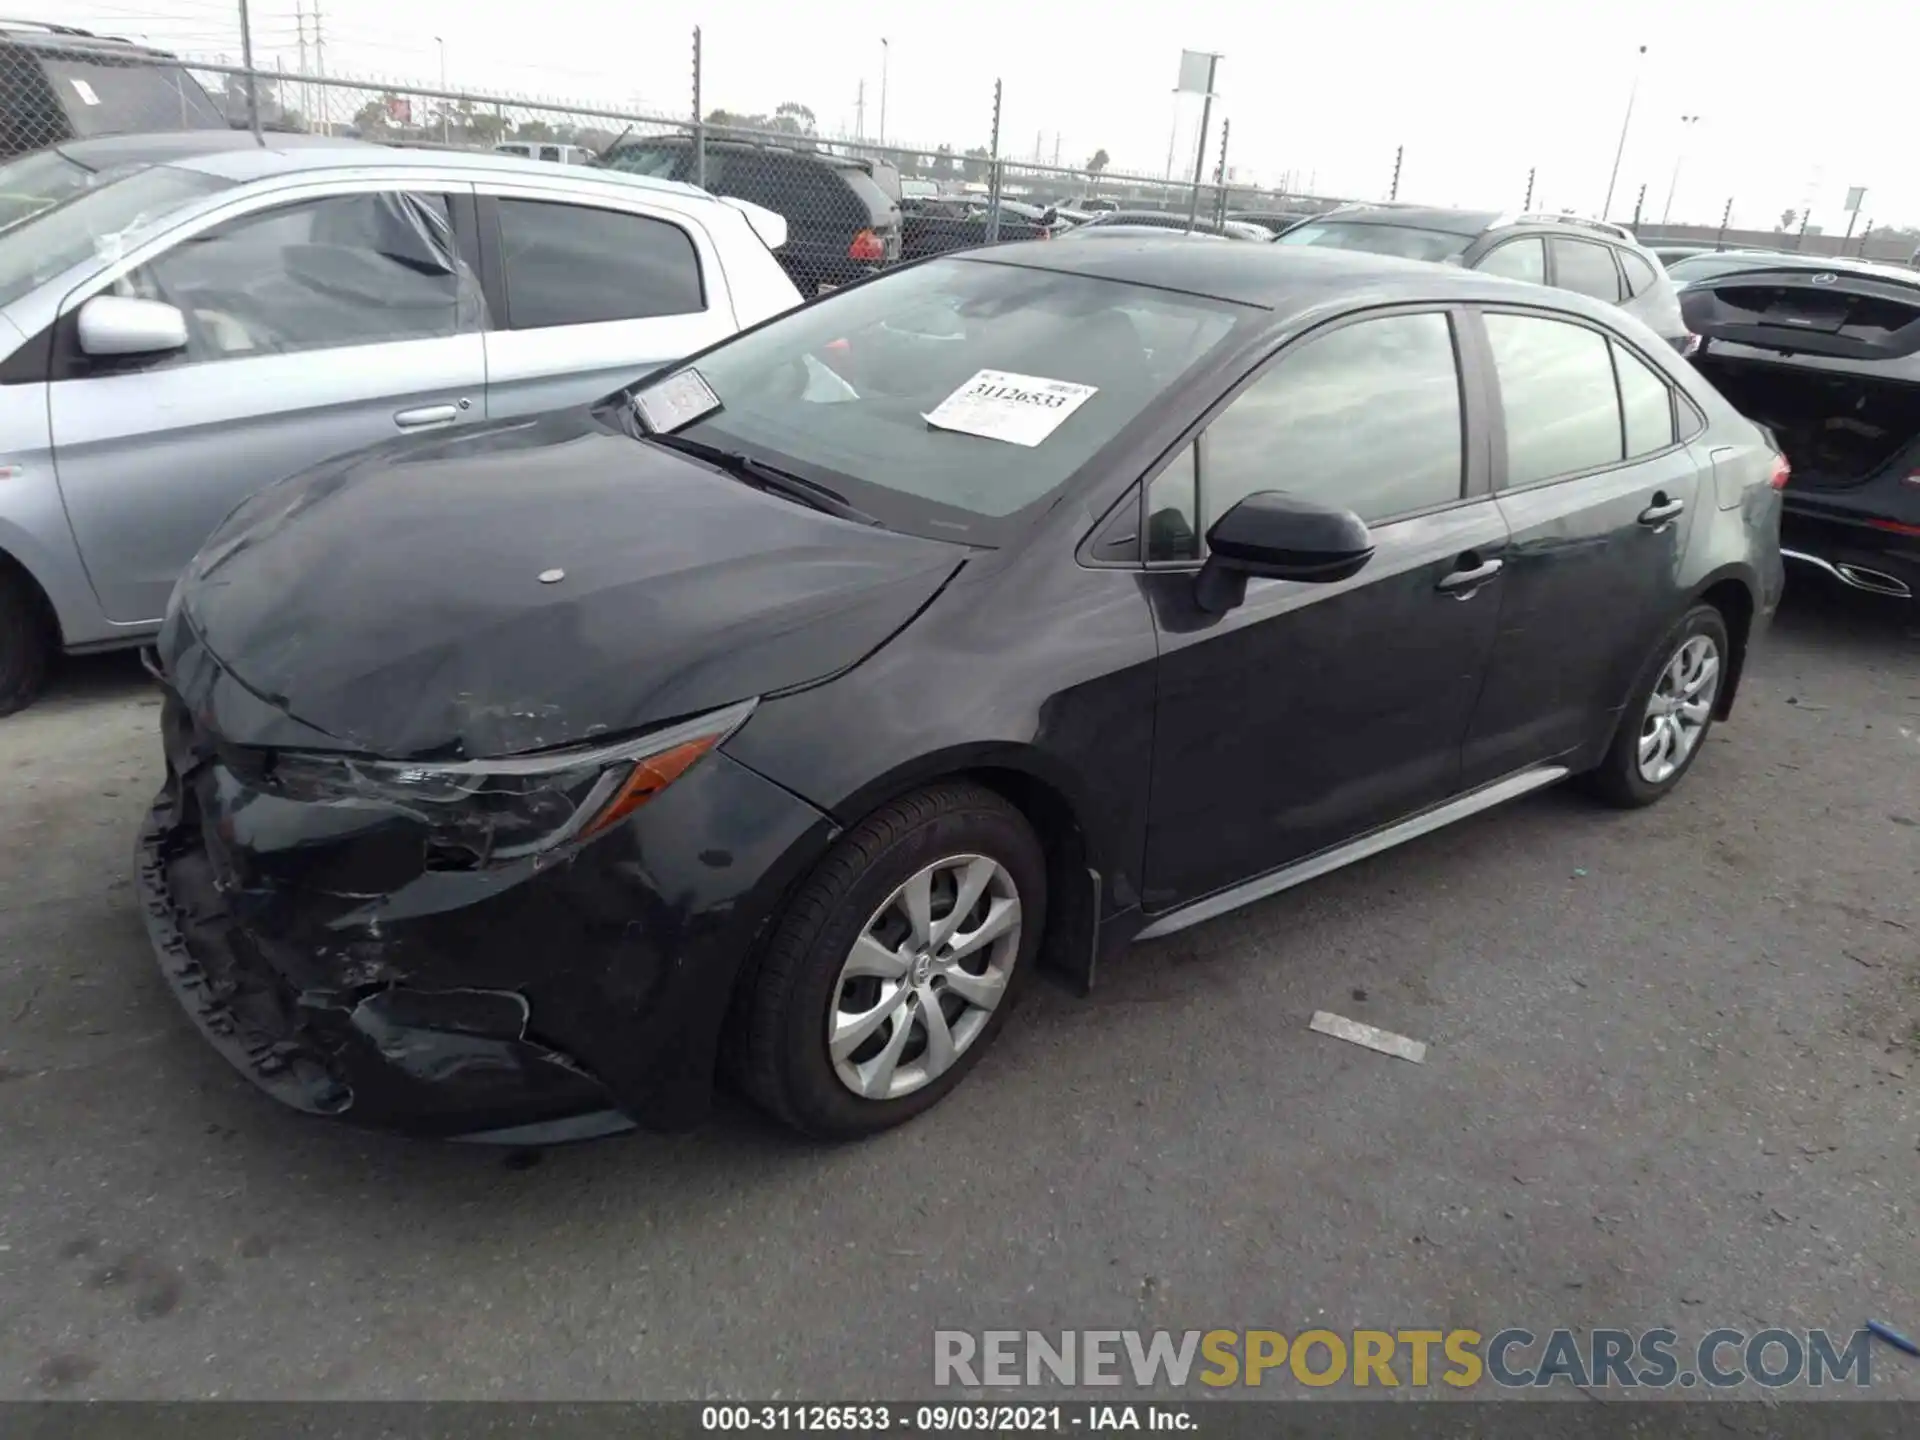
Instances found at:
x=483 y=811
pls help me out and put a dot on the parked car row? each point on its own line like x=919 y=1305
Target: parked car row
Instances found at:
x=187 y=317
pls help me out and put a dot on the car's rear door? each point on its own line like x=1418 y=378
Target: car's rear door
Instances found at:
x=320 y=320
x=1314 y=712
x=595 y=288
x=1600 y=491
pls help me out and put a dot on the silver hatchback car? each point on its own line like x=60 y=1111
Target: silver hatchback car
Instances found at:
x=187 y=318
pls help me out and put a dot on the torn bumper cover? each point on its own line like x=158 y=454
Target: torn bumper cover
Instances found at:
x=547 y=998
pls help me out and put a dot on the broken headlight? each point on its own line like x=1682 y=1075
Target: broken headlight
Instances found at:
x=487 y=810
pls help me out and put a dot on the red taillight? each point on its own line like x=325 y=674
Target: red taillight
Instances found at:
x=867 y=246
x=1895 y=527
x=1782 y=472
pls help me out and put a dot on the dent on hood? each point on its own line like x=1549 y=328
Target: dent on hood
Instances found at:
x=526 y=586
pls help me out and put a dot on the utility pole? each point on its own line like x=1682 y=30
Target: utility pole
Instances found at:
x=246 y=61
x=1526 y=205
x=1393 y=190
x=1056 y=149
x=886 y=51
x=1687 y=123
x=860 y=111
x=1173 y=133
x=1625 y=125
x=1200 y=149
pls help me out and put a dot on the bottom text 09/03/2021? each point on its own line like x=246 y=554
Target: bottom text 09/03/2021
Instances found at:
x=876 y=1419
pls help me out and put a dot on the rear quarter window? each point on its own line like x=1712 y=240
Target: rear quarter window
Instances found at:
x=1640 y=275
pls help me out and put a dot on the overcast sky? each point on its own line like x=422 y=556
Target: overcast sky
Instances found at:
x=1794 y=106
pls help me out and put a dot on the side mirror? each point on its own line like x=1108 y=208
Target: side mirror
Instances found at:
x=1051 y=216
x=1282 y=537
x=120 y=325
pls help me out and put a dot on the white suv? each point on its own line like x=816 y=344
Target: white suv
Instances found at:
x=185 y=318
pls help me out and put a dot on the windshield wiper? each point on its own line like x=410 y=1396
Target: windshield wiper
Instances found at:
x=771 y=478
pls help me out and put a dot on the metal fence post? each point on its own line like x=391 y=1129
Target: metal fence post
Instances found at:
x=1726 y=218
x=699 y=120
x=246 y=63
x=1200 y=150
x=1526 y=205
x=1220 y=175
x=1863 y=238
x=993 y=172
x=1393 y=188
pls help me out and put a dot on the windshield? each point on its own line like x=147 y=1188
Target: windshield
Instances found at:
x=108 y=96
x=839 y=392
x=91 y=221
x=1401 y=240
x=36 y=182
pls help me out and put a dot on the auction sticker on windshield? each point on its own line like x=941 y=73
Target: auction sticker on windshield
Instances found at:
x=678 y=400
x=1020 y=409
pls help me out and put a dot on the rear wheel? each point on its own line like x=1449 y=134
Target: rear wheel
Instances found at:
x=1665 y=725
x=891 y=971
x=26 y=640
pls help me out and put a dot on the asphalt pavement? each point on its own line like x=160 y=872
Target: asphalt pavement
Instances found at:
x=1671 y=1079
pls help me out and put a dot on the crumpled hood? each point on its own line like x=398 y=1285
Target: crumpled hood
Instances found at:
x=516 y=587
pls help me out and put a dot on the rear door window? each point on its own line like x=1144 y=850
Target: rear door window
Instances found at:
x=1524 y=259
x=1557 y=396
x=579 y=265
x=1586 y=268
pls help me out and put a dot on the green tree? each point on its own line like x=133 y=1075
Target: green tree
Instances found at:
x=975 y=164
x=792 y=116
x=1098 y=163
x=945 y=167
x=486 y=129
x=371 y=118
x=1787 y=217
x=535 y=130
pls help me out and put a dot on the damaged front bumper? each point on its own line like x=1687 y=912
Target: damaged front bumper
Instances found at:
x=542 y=999
x=445 y=1062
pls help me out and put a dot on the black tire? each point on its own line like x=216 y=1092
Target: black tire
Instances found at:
x=1617 y=780
x=26 y=640
x=781 y=1055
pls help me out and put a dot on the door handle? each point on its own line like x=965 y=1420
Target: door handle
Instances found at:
x=426 y=415
x=1661 y=511
x=1464 y=582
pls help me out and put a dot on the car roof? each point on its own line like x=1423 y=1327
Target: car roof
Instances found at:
x=237 y=156
x=736 y=142
x=1418 y=217
x=42 y=36
x=1286 y=279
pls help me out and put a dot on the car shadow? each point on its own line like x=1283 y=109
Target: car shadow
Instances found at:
x=1820 y=613
x=78 y=680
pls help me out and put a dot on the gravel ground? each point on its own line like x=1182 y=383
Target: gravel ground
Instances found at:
x=1672 y=1080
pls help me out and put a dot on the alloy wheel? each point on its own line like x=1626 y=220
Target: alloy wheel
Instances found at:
x=930 y=967
x=1679 y=709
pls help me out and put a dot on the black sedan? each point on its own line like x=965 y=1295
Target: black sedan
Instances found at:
x=778 y=717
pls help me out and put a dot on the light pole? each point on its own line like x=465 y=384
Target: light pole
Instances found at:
x=1687 y=123
x=1625 y=125
x=885 y=51
x=444 y=139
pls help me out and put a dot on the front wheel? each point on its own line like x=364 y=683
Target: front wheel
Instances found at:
x=26 y=640
x=1666 y=722
x=890 y=972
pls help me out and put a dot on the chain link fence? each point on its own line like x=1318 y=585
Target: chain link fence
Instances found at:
x=851 y=204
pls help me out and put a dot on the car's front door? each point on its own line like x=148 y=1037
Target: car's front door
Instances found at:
x=598 y=292
x=1599 y=491
x=316 y=326
x=1312 y=713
